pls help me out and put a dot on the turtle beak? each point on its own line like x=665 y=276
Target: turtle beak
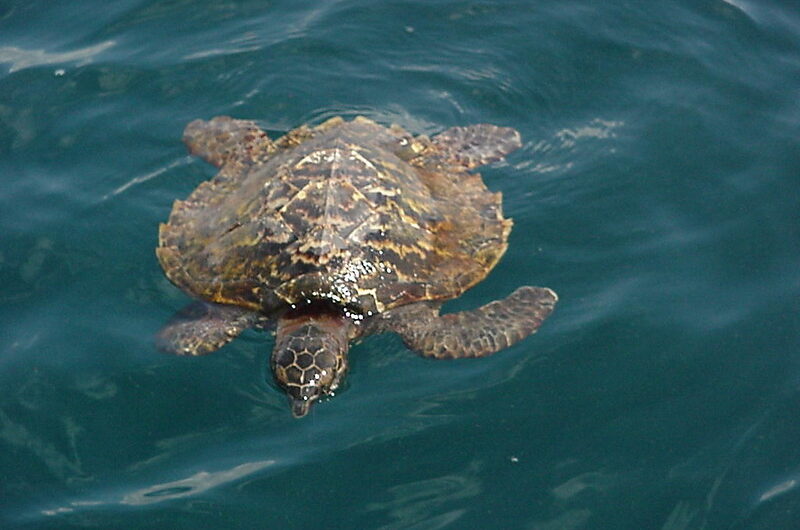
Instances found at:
x=300 y=407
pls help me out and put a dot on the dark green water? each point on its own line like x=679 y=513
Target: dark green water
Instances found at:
x=657 y=192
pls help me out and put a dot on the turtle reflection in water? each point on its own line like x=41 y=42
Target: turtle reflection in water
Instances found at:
x=336 y=232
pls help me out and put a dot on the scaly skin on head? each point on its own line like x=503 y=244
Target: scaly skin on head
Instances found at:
x=310 y=355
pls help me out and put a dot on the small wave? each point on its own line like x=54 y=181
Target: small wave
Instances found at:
x=144 y=178
x=186 y=487
x=21 y=58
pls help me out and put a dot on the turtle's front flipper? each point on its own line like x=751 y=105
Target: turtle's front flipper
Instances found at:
x=201 y=328
x=475 y=333
x=476 y=145
x=224 y=138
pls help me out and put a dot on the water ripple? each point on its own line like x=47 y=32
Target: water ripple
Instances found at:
x=21 y=58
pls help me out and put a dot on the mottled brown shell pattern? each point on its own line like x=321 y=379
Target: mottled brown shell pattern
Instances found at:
x=366 y=216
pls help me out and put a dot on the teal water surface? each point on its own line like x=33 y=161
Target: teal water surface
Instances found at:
x=656 y=192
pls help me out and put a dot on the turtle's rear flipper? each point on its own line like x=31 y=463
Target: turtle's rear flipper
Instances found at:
x=223 y=138
x=476 y=145
x=201 y=328
x=475 y=333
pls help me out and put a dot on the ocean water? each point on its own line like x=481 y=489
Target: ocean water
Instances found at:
x=656 y=192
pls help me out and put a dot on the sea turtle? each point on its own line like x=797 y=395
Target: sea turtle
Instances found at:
x=339 y=231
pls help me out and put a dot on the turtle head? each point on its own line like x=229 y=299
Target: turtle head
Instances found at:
x=310 y=356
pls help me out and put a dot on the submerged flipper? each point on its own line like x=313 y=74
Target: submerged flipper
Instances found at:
x=223 y=138
x=201 y=328
x=475 y=333
x=476 y=145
